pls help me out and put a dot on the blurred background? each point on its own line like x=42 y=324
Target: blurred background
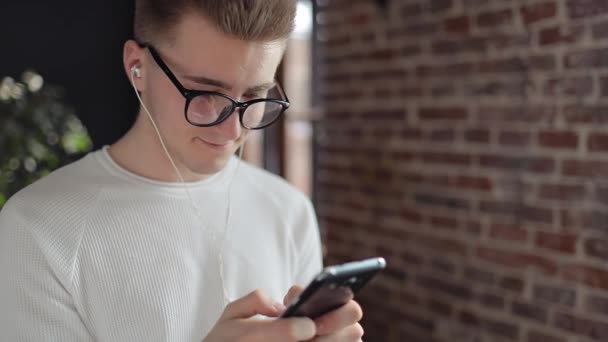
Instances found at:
x=463 y=140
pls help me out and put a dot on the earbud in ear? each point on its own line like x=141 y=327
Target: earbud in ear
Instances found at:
x=135 y=71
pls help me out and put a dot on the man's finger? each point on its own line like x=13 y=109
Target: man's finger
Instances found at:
x=283 y=329
x=338 y=319
x=352 y=333
x=293 y=292
x=252 y=304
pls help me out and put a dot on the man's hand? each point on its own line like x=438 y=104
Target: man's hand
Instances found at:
x=237 y=324
x=338 y=325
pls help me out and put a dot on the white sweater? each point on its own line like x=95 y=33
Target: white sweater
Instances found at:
x=93 y=252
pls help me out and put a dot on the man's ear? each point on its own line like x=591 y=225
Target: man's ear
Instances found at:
x=133 y=62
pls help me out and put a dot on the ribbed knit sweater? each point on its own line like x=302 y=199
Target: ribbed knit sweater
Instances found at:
x=93 y=252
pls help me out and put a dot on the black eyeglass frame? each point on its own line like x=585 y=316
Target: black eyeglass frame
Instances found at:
x=190 y=94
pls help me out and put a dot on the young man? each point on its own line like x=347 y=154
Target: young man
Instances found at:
x=163 y=236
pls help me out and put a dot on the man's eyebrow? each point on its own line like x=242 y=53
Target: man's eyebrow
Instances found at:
x=208 y=81
x=217 y=83
x=262 y=87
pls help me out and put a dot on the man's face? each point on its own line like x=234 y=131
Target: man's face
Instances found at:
x=203 y=58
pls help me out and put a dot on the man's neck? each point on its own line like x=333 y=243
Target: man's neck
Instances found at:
x=140 y=152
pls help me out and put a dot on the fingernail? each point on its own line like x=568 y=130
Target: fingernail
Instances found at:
x=304 y=328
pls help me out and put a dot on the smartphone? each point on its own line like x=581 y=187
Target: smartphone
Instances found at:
x=334 y=287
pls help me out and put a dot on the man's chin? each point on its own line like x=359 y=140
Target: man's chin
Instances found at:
x=210 y=167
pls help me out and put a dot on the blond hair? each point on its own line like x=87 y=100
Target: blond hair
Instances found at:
x=249 y=20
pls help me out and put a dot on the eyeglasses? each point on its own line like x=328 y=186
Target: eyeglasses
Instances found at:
x=209 y=108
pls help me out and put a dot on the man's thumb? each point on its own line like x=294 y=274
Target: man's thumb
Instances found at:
x=252 y=304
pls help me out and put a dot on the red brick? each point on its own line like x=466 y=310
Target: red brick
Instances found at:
x=497 y=88
x=535 y=336
x=473 y=228
x=414 y=30
x=529 y=311
x=593 y=58
x=495 y=18
x=528 y=164
x=555 y=295
x=440 y=307
x=359 y=19
x=383 y=55
x=560 y=35
x=411 y=258
x=479 y=276
x=444 y=286
x=492 y=301
x=561 y=192
x=514 y=138
x=507 y=40
x=517 y=114
x=455 y=113
x=594 y=329
x=450 y=70
x=537 y=12
x=597 y=304
x=586 y=219
x=469 y=318
x=444 y=222
x=477 y=135
x=588 y=275
x=411 y=10
x=472 y=183
x=558 y=139
x=560 y=242
x=442 y=265
x=384 y=114
x=442 y=246
x=384 y=75
x=445 y=158
x=410 y=91
x=518 y=64
x=586 y=8
x=598 y=142
x=403 y=156
x=585 y=168
x=597 y=248
x=442 y=135
x=574 y=86
x=451 y=47
x=439 y=6
x=508 y=232
x=502 y=329
x=600 y=30
x=601 y=194
x=517 y=211
x=460 y=24
x=441 y=201
x=512 y=284
x=518 y=260
x=582 y=114
x=411 y=215
x=409 y=133
x=412 y=177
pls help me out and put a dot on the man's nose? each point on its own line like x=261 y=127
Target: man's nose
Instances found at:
x=230 y=129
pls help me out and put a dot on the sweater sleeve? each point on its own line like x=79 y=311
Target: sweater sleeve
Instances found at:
x=308 y=243
x=35 y=304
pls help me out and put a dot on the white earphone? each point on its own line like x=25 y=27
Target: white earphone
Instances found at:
x=136 y=72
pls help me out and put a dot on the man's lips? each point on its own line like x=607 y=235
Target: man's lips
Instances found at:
x=214 y=145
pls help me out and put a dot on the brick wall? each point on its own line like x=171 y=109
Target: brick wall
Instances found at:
x=466 y=141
